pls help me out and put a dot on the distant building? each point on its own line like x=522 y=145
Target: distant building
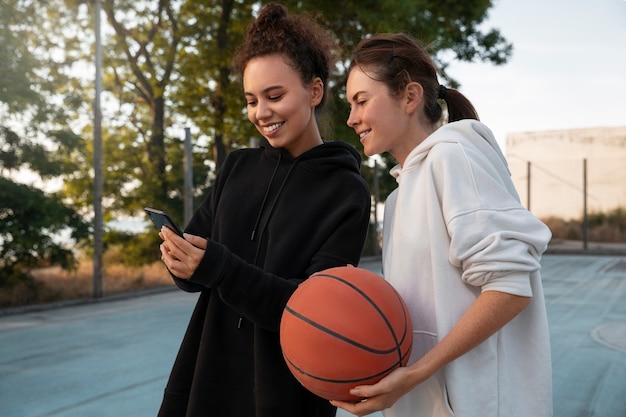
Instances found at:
x=554 y=161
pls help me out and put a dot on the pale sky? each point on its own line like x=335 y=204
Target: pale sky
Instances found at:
x=568 y=68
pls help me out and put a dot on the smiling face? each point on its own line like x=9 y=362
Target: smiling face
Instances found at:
x=377 y=117
x=280 y=106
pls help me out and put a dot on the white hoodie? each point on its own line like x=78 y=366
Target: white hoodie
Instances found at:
x=454 y=228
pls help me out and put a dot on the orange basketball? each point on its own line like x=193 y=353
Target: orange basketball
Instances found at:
x=344 y=327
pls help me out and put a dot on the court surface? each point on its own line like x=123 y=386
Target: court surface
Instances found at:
x=112 y=357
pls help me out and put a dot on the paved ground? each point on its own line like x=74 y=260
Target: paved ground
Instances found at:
x=112 y=357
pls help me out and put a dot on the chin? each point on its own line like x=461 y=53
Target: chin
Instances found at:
x=274 y=142
x=369 y=152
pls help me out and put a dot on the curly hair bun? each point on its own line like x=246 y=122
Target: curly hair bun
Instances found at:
x=272 y=25
x=270 y=14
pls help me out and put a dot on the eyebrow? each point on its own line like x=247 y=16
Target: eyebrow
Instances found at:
x=265 y=90
x=356 y=95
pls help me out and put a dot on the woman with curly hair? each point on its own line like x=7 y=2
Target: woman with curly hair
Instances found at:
x=276 y=214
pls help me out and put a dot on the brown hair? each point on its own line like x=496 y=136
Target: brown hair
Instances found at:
x=306 y=45
x=396 y=60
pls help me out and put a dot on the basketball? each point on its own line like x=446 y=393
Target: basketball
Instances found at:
x=343 y=327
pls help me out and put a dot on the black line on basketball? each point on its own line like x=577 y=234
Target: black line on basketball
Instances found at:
x=404 y=314
x=337 y=335
x=369 y=300
x=363 y=378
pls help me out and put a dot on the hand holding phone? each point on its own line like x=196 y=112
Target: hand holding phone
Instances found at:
x=192 y=248
x=161 y=218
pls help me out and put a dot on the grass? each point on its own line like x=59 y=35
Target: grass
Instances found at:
x=602 y=227
x=55 y=284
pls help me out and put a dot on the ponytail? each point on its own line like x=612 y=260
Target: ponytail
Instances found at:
x=458 y=106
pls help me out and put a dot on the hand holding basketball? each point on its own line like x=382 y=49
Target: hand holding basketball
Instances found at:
x=380 y=396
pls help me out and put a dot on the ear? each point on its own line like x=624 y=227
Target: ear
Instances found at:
x=317 y=91
x=413 y=95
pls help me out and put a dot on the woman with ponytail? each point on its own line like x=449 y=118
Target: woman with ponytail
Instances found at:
x=276 y=214
x=457 y=244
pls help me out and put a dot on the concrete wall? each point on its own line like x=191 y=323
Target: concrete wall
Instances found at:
x=556 y=170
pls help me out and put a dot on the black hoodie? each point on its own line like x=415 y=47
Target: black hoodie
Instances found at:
x=272 y=221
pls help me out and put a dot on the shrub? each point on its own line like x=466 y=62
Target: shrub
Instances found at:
x=603 y=227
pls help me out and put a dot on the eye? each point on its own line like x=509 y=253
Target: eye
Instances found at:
x=251 y=103
x=275 y=97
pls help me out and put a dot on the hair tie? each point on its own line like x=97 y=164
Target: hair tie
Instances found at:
x=443 y=92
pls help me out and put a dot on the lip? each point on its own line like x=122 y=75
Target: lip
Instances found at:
x=364 y=134
x=272 y=129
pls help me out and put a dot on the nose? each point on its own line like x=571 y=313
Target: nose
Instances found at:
x=352 y=118
x=263 y=110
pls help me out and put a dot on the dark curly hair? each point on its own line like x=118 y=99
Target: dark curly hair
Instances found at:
x=308 y=48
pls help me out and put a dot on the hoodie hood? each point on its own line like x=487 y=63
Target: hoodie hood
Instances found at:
x=321 y=159
x=468 y=133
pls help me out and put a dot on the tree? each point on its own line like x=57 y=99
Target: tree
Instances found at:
x=185 y=52
x=167 y=62
x=30 y=219
x=449 y=28
x=30 y=222
x=146 y=43
x=210 y=94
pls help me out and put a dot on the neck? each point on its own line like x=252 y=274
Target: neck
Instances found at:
x=416 y=136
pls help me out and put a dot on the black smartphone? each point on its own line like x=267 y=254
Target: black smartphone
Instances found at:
x=161 y=218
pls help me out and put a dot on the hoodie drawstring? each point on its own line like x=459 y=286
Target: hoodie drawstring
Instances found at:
x=257 y=223
x=267 y=192
x=270 y=211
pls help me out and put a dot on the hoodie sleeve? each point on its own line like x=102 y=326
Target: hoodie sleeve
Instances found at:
x=201 y=217
x=323 y=225
x=498 y=250
x=493 y=238
x=201 y=225
x=262 y=296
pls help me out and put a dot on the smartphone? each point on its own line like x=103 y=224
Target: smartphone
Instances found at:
x=161 y=218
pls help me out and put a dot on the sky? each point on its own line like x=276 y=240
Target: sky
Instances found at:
x=567 y=70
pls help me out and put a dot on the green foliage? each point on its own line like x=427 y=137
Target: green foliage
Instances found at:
x=609 y=226
x=616 y=218
x=167 y=65
x=137 y=249
x=17 y=61
x=29 y=223
x=450 y=29
x=602 y=226
x=196 y=41
x=30 y=220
